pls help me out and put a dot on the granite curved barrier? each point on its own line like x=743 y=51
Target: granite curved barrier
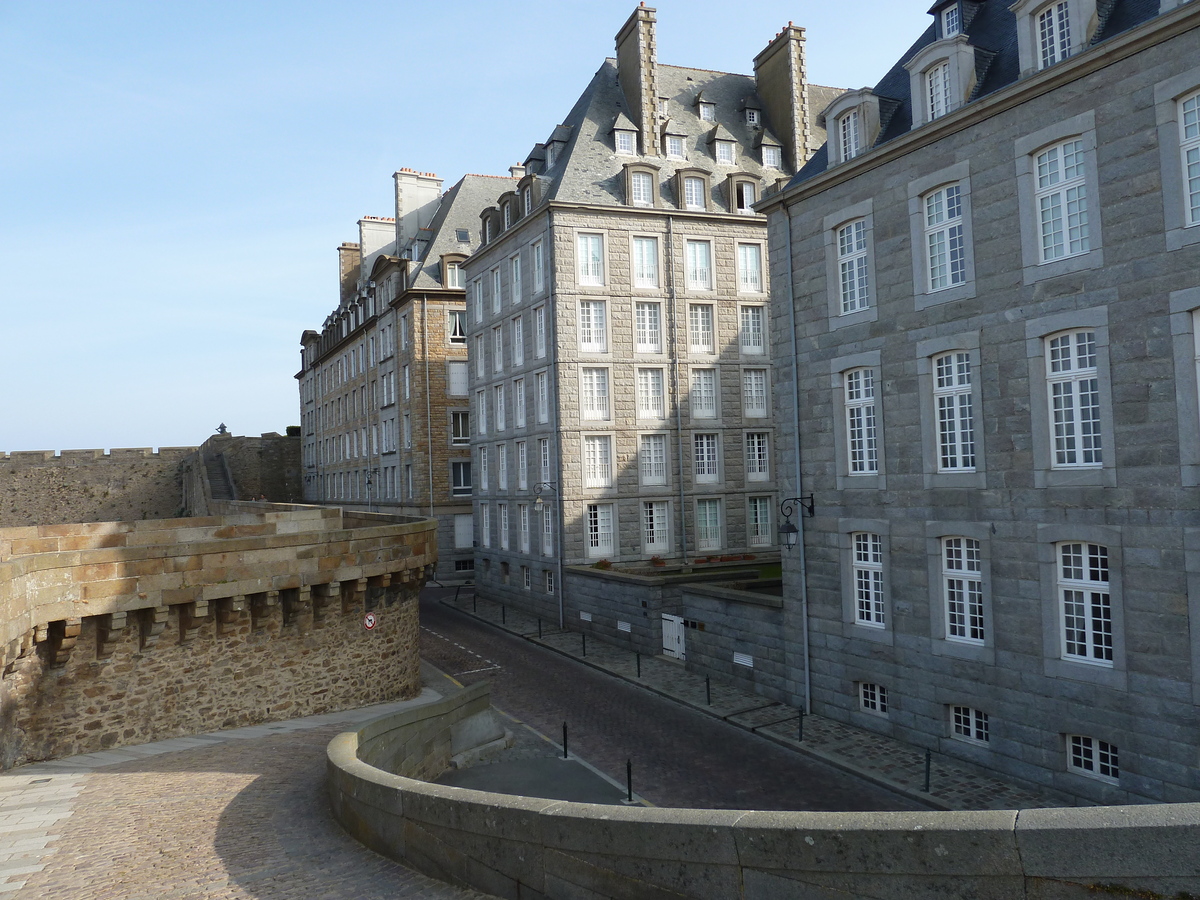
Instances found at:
x=525 y=847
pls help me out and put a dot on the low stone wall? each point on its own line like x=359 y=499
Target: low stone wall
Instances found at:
x=116 y=633
x=524 y=847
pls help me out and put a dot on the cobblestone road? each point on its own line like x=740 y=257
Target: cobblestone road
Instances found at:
x=680 y=757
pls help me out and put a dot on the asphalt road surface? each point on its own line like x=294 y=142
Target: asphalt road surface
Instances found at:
x=681 y=757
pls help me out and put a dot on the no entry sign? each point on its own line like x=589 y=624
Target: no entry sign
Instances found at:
x=369 y=621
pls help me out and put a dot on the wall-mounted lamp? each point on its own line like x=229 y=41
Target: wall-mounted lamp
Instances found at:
x=788 y=532
x=544 y=486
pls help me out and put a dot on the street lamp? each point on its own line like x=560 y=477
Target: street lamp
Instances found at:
x=788 y=532
x=544 y=486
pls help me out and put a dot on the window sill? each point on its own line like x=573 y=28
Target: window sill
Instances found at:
x=954 y=294
x=1094 y=477
x=870 y=314
x=867 y=633
x=1178 y=238
x=1093 y=259
x=1086 y=672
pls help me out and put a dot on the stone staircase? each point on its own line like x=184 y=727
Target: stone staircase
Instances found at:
x=218 y=477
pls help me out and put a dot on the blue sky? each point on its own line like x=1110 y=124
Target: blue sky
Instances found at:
x=177 y=175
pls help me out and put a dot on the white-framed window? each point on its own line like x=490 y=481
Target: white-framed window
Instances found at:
x=693 y=193
x=526 y=201
x=752 y=330
x=708 y=111
x=498 y=396
x=1189 y=149
x=648 y=325
x=651 y=394
x=454 y=275
x=1073 y=384
x=951 y=21
x=675 y=148
x=544 y=458
x=655 y=526
x=407 y=384
x=485 y=525
x=460 y=479
x=754 y=393
x=518 y=341
x=1093 y=758
x=522 y=466
x=457 y=378
x=724 y=152
x=597 y=461
x=861 y=429
x=749 y=261
x=464 y=532
x=752 y=116
x=968 y=724
x=745 y=194
x=945 y=241
x=526 y=580
x=457 y=326
x=514 y=268
x=547 y=530
x=507 y=215
x=700 y=328
x=867 y=551
x=502 y=517
x=1061 y=200
x=590 y=257
x=1054 y=34
x=484 y=469
x=600 y=529
x=460 y=427
x=955 y=416
x=523 y=526
x=937 y=90
x=548 y=579
x=539 y=332
x=498 y=349
x=404 y=332
x=645 y=262
x=652 y=458
x=542 y=383
x=759 y=531
x=407 y=423
x=772 y=156
x=704 y=393
x=1085 y=603
x=708 y=525
x=852 y=266
x=873 y=698
x=699 y=265
x=477 y=299
x=539 y=266
x=594 y=393
x=481 y=411
x=962 y=586
x=758 y=458
x=497 y=296
x=706 y=457
x=641 y=188
x=519 y=403
x=624 y=142
x=593 y=330
x=480 y=356
x=850 y=133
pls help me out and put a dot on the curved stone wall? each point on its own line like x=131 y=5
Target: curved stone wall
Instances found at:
x=117 y=633
x=524 y=847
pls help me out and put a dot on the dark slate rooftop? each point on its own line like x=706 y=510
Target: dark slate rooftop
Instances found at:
x=991 y=28
x=460 y=208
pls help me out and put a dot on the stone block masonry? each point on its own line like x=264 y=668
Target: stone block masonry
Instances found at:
x=119 y=633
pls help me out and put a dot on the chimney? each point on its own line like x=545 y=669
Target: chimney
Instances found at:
x=516 y=171
x=349 y=264
x=782 y=82
x=417 y=197
x=637 y=70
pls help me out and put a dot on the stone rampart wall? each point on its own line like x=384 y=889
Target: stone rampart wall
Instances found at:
x=116 y=633
x=533 y=848
x=40 y=488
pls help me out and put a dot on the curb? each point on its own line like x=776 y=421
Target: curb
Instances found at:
x=796 y=746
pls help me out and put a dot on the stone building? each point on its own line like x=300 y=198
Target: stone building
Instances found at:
x=989 y=279
x=383 y=385
x=620 y=365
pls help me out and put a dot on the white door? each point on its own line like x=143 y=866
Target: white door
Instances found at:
x=672 y=627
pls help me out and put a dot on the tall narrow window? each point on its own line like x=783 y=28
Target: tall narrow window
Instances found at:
x=645 y=262
x=502 y=515
x=648 y=322
x=485 y=525
x=754 y=393
x=547 y=531
x=937 y=87
x=652 y=458
x=476 y=301
x=693 y=193
x=749 y=268
x=539 y=266
x=498 y=395
x=481 y=411
x=496 y=293
x=519 y=403
x=484 y=470
x=523 y=525
x=543 y=398
x=458 y=327
x=651 y=396
x=515 y=279
x=502 y=466
x=539 y=332
x=1083 y=588
x=1054 y=33
x=700 y=328
x=852 y=266
x=706 y=458
x=454 y=277
x=868 y=579
x=860 y=422
x=1074 y=387
x=654 y=526
x=460 y=428
x=704 y=393
x=460 y=479
x=751 y=333
x=758 y=461
x=758 y=522
x=544 y=458
x=744 y=197
x=945 y=245
x=699 y=265
x=641 y=187
x=962 y=579
x=497 y=349
x=951 y=21
x=1189 y=145
x=594 y=392
x=708 y=524
x=518 y=341
x=593 y=334
x=590 y=256
x=597 y=461
x=522 y=467
x=955 y=417
x=848 y=131
x=600 y=529
x=1061 y=198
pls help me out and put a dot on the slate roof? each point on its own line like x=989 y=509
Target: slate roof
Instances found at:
x=460 y=208
x=991 y=28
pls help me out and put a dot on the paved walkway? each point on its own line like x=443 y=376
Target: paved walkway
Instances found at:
x=880 y=759
x=234 y=814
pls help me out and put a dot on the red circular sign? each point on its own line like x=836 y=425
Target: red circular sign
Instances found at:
x=369 y=621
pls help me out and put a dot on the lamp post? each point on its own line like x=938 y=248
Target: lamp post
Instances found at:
x=789 y=533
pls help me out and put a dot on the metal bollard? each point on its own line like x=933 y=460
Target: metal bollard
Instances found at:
x=928 y=762
x=503 y=614
x=539 y=629
x=800 y=734
x=584 y=636
x=708 y=690
x=629 y=780
x=564 y=740
x=639 y=665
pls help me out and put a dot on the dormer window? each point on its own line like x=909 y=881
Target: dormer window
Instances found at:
x=772 y=157
x=641 y=188
x=951 y=21
x=708 y=111
x=624 y=142
x=551 y=155
x=850 y=133
x=724 y=152
x=1054 y=34
x=743 y=192
x=1049 y=32
x=454 y=275
x=940 y=78
x=851 y=123
x=937 y=88
x=752 y=116
x=526 y=200
x=507 y=215
x=662 y=106
x=675 y=148
x=691 y=189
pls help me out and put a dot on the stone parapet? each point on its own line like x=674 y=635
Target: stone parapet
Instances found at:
x=120 y=632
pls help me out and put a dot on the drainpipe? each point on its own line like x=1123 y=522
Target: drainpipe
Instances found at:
x=428 y=408
x=552 y=342
x=791 y=304
x=674 y=351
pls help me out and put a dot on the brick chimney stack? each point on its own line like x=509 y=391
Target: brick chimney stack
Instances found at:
x=781 y=77
x=349 y=265
x=637 y=69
